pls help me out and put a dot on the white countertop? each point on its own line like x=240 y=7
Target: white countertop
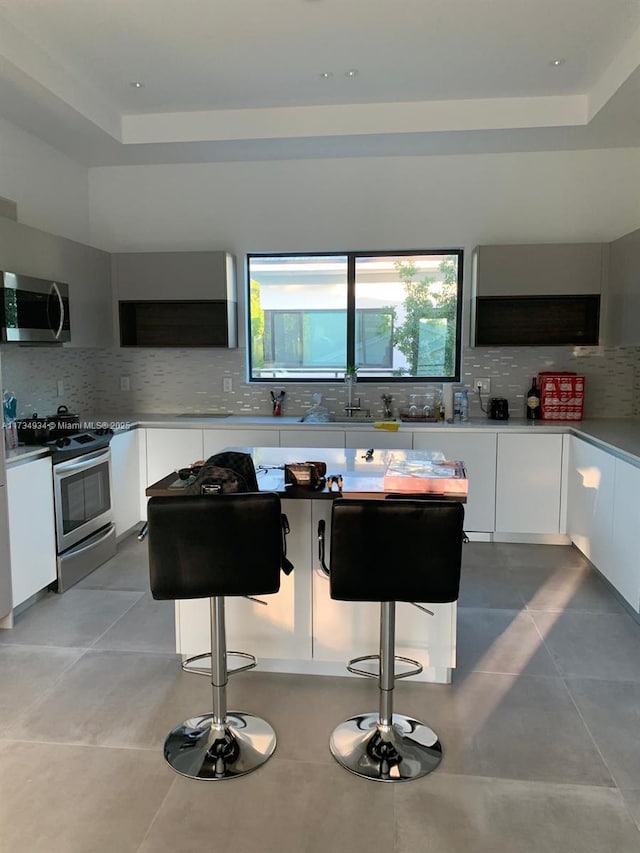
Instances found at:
x=618 y=436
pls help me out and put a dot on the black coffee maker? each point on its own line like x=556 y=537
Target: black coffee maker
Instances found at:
x=498 y=409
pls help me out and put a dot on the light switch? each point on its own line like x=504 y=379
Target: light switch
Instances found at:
x=227 y=383
x=125 y=383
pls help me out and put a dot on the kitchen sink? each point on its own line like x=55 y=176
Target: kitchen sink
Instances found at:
x=357 y=419
x=204 y=415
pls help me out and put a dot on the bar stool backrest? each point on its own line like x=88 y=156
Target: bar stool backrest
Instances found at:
x=202 y=547
x=400 y=550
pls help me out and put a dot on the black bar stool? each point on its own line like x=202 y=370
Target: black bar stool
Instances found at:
x=388 y=551
x=212 y=547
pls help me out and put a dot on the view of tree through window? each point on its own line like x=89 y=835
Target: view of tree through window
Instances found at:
x=392 y=316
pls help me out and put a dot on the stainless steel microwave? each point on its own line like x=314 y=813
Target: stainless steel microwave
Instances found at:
x=33 y=310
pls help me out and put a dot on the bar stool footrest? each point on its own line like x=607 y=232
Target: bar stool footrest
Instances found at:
x=190 y=665
x=358 y=671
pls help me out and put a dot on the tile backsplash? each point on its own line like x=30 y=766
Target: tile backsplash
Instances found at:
x=165 y=381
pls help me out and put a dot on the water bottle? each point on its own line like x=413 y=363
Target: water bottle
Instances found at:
x=457 y=406
x=464 y=406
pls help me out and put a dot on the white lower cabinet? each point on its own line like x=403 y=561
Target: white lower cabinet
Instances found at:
x=33 y=557
x=215 y=440
x=125 y=480
x=624 y=565
x=346 y=629
x=302 y=630
x=529 y=483
x=312 y=438
x=170 y=449
x=603 y=515
x=378 y=439
x=478 y=452
x=275 y=633
x=6 y=598
x=590 y=500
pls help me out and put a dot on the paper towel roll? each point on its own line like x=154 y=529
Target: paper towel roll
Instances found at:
x=447 y=400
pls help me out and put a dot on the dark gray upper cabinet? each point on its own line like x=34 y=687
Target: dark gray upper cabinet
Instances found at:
x=623 y=319
x=176 y=299
x=538 y=294
x=86 y=270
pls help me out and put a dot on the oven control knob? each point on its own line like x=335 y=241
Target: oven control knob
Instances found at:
x=63 y=442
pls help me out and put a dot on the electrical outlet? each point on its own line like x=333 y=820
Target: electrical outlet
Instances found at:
x=482 y=385
x=227 y=383
x=125 y=383
x=60 y=388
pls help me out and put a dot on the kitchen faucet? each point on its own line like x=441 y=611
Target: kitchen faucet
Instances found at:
x=351 y=407
x=386 y=402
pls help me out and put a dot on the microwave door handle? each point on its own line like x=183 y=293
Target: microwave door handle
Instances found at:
x=55 y=289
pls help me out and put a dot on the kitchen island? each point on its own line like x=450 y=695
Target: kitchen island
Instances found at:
x=302 y=630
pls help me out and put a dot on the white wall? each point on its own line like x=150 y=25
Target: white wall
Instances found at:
x=373 y=203
x=368 y=203
x=50 y=189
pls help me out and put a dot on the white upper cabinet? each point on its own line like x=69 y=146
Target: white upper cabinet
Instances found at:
x=86 y=270
x=174 y=275
x=623 y=318
x=538 y=294
x=175 y=299
x=539 y=269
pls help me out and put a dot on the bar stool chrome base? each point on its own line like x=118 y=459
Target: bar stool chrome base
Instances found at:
x=406 y=750
x=199 y=750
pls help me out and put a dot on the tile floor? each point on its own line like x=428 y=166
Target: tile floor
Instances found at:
x=540 y=728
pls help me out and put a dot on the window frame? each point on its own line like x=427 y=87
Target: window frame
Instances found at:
x=352 y=257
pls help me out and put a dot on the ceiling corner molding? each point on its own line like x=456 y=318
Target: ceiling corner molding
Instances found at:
x=28 y=66
x=354 y=119
x=617 y=72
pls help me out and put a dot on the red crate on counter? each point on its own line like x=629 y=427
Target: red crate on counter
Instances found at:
x=561 y=396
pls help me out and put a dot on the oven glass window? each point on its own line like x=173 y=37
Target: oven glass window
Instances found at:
x=85 y=496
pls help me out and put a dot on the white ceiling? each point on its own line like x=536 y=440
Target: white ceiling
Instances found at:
x=241 y=79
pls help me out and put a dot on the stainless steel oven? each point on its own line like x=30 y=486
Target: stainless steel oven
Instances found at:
x=85 y=533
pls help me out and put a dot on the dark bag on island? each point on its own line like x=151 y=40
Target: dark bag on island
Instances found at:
x=231 y=472
x=214 y=480
x=225 y=473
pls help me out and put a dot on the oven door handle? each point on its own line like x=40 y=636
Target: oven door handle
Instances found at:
x=88 y=461
x=90 y=543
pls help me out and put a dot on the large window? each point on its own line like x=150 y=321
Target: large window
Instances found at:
x=393 y=316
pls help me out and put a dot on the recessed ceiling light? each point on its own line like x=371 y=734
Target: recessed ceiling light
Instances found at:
x=557 y=62
x=353 y=72
x=326 y=74
x=136 y=84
